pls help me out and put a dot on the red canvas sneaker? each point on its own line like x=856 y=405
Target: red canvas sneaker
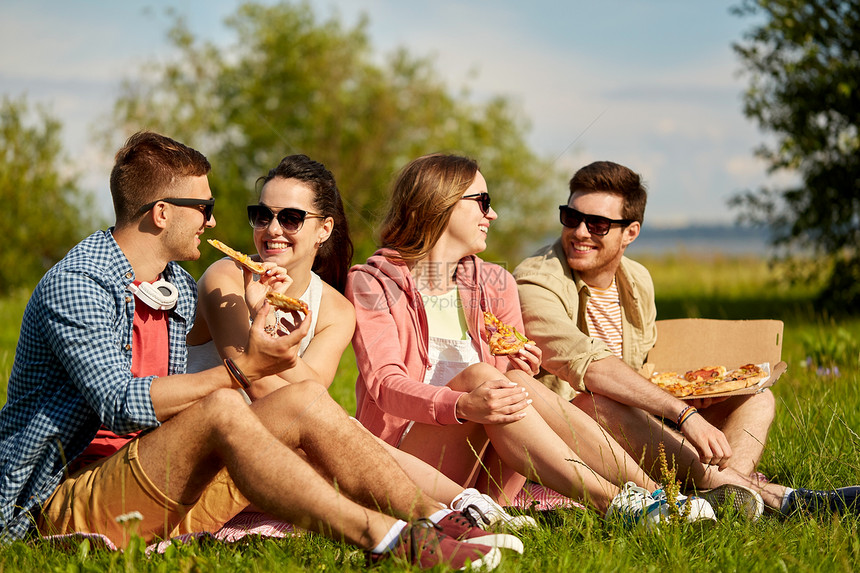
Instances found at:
x=422 y=543
x=462 y=526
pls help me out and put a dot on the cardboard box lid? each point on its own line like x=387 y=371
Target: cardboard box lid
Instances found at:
x=687 y=343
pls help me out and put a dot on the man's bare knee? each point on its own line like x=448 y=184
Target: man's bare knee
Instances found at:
x=220 y=409
x=302 y=398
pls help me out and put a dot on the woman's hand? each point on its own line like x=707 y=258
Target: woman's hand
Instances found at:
x=527 y=359
x=267 y=354
x=494 y=402
x=273 y=278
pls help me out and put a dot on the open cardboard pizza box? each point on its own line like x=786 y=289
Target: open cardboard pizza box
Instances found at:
x=690 y=343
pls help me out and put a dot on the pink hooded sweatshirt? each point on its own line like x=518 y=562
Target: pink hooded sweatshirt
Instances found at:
x=391 y=339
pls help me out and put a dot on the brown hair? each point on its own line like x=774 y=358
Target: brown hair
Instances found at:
x=421 y=201
x=145 y=170
x=335 y=254
x=613 y=178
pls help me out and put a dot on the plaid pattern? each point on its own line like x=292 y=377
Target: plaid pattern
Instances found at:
x=72 y=372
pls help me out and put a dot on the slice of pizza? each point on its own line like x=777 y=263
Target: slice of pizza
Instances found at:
x=286 y=303
x=706 y=374
x=238 y=256
x=673 y=383
x=751 y=374
x=502 y=338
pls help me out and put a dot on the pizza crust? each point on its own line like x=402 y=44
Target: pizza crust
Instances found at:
x=238 y=256
x=286 y=303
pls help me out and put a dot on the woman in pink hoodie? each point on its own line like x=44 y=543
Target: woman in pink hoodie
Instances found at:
x=428 y=383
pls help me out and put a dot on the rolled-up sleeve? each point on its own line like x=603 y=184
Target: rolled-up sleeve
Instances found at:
x=550 y=312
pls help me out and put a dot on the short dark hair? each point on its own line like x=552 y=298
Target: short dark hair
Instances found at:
x=335 y=254
x=609 y=177
x=145 y=170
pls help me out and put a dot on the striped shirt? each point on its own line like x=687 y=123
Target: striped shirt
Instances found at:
x=603 y=315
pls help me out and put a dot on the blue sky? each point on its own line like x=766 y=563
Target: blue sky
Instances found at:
x=653 y=85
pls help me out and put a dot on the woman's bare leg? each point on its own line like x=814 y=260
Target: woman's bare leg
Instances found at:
x=583 y=435
x=529 y=446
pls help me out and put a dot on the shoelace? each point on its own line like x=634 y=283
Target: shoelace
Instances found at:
x=415 y=546
x=472 y=519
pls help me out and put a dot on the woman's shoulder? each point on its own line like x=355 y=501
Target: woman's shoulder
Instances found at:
x=335 y=309
x=334 y=302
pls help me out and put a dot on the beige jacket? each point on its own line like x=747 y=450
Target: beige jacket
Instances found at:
x=553 y=300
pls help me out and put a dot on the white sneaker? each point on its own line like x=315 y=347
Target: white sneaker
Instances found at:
x=635 y=504
x=487 y=512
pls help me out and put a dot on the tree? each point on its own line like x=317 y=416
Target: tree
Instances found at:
x=44 y=213
x=803 y=59
x=293 y=84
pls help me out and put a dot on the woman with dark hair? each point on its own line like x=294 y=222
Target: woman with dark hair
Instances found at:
x=299 y=226
x=302 y=239
x=428 y=383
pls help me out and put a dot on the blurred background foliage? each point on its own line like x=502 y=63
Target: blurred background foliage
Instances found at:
x=44 y=211
x=296 y=84
x=802 y=59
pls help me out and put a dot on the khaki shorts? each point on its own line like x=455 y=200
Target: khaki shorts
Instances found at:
x=90 y=500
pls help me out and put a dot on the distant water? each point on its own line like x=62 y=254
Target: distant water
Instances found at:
x=698 y=239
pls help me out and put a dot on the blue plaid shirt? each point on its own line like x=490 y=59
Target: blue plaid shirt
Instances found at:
x=72 y=372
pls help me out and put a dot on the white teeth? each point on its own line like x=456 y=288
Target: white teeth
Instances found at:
x=276 y=245
x=582 y=248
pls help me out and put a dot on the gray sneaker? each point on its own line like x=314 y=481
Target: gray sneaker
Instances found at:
x=737 y=499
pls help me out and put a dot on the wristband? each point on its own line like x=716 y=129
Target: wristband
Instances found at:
x=685 y=415
x=235 y=373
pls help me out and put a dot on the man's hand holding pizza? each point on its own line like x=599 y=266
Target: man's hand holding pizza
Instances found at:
x=612 y=378
x=267 y=354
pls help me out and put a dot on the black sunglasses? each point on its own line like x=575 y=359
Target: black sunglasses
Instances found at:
x=595 y=224
x=290 y=219
x=483 y=200
x=207 y=204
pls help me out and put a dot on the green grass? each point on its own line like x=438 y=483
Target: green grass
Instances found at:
x=814 y=442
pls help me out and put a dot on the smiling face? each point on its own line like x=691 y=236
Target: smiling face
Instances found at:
x=187 y=223
x=466 y=233
x=595 y=257
x=293 y=251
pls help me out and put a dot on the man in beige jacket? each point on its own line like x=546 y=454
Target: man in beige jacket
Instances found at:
x=592 y=312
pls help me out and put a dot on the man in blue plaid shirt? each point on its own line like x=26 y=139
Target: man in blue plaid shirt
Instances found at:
x=114 y=312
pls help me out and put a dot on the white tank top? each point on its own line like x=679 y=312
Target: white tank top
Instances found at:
x=205 y=356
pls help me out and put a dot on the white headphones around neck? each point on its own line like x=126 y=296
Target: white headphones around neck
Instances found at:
x=160 y=295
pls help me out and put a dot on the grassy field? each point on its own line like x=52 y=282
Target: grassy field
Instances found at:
x=814 y=442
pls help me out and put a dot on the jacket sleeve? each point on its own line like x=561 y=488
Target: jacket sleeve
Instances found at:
x=381 y=345
x=551 y=321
